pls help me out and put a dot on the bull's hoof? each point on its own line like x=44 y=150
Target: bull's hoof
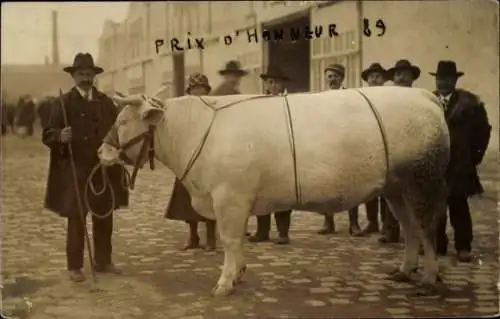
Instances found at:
x=239 y=277
x=222 y=290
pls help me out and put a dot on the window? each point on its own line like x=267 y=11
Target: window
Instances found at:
x=316 y=47
x=316 y=75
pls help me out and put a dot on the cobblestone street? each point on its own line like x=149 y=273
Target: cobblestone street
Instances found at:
x=316 y=276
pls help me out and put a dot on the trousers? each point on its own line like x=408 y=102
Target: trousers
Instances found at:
x=282 y=220
x=460 y=220
x=102 y=230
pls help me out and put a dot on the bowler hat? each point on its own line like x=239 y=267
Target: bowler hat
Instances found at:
x=403 y=64
x=335 y=67
x=198 y=79
x=374 y=67
x=233 y=67
x=83 y=61
x=447 y=68
x=274 y=72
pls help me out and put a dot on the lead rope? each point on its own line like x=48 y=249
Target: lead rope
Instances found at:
x=298 y=191
x=382 y=132
x=106 y=185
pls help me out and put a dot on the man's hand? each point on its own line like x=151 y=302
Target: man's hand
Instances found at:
x=66 y=134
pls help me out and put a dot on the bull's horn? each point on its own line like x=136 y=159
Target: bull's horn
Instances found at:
x=159 y=91
x=131 y=99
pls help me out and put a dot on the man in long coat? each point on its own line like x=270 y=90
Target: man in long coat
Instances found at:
x=470 y=133
x=90 y=116
x=374 y=75
x=179 y=207
x=334 y=76
x=402 y=74
x=274 y=84
x=232 y=75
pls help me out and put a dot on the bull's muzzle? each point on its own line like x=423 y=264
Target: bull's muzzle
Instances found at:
x=109 y=155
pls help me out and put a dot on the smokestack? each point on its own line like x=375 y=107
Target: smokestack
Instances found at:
x=55 y=39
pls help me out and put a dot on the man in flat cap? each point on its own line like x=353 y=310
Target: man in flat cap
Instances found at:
x=334 y=77
x=90 y=115
x=232 y=75
x=403 y=73
x=470 y=133
x=274 y=84
x=374 y=75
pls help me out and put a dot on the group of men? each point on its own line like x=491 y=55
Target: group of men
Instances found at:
x=83 y=116
x=20 y=117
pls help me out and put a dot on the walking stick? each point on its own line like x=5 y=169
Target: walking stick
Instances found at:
x=77 y=190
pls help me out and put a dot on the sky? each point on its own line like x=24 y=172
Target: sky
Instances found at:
x=26 y=29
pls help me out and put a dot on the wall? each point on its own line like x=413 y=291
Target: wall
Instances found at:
x=425 y=32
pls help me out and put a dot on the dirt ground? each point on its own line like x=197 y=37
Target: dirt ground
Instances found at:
x=316 y=276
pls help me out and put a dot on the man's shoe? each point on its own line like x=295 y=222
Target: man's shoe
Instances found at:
x=108 y=269
x=464 y=256
x=258 y=238
x=76 y=275
x=282 y=241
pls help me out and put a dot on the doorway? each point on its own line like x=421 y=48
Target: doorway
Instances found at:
x=292 y=56
x=179 y=73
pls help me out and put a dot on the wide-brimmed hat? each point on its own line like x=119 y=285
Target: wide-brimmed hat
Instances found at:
x=335 y=67
x=198 y=79
x=403 y=64
x=233 y=67
x=83 y=61
x=374 y=67
x=274 y=72
x=447 y=68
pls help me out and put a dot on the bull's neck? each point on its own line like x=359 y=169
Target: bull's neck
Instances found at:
x=169 y=143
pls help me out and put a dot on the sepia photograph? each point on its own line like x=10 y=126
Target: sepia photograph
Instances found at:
x=249 y=159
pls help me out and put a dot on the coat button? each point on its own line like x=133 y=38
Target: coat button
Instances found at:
x=83 y=114
x=85 y=138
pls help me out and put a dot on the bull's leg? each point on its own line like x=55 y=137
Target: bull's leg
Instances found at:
x=232 y=216
x=412 y=243
x=428 y=204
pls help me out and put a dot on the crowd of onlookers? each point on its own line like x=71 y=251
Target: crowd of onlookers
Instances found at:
x=20 y=118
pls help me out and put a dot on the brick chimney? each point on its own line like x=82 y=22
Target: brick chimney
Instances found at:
x=55 y=39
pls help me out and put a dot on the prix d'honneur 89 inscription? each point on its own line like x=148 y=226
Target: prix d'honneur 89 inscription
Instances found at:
x=271 y=34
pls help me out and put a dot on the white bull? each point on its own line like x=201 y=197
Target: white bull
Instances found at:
x=239 y=156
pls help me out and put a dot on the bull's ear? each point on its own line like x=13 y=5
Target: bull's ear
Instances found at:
x=152 y=116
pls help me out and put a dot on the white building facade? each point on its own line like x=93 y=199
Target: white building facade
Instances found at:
x=423 y=32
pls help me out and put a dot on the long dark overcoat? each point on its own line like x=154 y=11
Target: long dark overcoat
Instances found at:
x=90 y=122
x=179 y=207
x=469 y=136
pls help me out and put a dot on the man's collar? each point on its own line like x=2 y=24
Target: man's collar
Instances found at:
x=82 y=92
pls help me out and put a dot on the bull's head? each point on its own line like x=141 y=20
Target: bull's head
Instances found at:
x=125 y=142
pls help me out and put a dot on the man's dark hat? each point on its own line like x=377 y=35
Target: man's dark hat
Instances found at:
x=233 y=67
x=83 y=61
x=335 y=67
x=374 y=67
x=447 y=68
x=404 y=65
x=274 y=72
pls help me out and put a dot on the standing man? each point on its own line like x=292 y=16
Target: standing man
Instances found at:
x=470 y=133
x=25 y=115
x=90 y=115
x=274 y=84
x=334 y=76
x=375 y=75
x=179 y=207
x=232 y=75
x=402 y=74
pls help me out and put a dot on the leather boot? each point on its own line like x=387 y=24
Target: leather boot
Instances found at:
x=354 y=229
x=211 y=235
x=263 y=229
x=194 y=239
x=328 y=226
x=76 y=275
